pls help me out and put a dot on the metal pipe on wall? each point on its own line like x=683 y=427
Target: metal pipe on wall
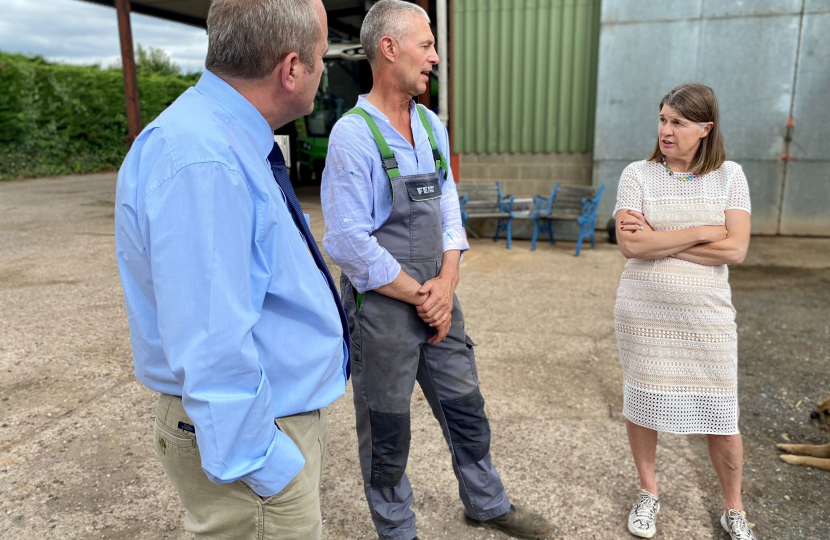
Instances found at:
x=443 y=73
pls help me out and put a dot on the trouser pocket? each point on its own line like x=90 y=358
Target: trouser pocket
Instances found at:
x=471 y=355
x=214 y=511
x=172 y=429
x=166 y=438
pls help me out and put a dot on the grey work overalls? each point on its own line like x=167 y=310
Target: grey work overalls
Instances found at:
x=390 y=352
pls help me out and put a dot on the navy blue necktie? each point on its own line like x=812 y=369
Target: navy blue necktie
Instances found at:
x=277 y=162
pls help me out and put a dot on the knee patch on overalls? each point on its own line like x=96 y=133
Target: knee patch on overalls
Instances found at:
x=390 y=448
x=468 y=427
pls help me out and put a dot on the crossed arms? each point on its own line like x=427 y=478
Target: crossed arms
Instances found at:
x=709 y=245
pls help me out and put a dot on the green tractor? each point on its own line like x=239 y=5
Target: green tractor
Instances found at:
x=311 y=156
x=344 y=78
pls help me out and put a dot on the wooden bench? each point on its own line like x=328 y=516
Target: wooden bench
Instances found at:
x=486 y=201
x=567 y=203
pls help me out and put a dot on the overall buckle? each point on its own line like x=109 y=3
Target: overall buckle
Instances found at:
x=390 y=163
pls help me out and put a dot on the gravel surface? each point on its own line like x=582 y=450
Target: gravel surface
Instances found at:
x=76 y=458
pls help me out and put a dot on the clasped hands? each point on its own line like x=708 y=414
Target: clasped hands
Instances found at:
x=436 y=306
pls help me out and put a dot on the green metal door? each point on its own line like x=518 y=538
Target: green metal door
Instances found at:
x=524 y=75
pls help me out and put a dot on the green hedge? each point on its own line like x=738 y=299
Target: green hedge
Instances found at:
x=61 y=119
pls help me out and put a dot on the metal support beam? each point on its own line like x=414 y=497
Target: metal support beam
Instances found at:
x=122 y=8
x=455 y=158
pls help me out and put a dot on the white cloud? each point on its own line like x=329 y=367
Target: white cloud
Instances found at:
x=79 y=32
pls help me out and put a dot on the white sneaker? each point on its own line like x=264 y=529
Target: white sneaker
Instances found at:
x=641 y=520
x=736 y=525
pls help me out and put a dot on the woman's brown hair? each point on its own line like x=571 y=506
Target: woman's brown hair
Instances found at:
x=697 y=102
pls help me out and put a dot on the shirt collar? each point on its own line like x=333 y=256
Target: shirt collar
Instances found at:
x=240 y=108
x=364 y=104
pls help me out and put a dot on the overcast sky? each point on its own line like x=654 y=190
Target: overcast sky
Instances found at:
x=79 y=32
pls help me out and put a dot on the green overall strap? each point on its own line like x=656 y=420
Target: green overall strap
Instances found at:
x=440 y=160
x=390 y=164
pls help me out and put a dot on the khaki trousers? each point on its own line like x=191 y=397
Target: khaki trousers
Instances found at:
x=233 y=511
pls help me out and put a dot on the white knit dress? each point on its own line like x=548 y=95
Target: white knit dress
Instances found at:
x=675 y=323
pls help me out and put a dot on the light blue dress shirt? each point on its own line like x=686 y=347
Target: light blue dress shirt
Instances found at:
x=357 y=198
x=226 y=305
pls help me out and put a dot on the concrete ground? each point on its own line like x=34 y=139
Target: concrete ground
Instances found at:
x=76 y=460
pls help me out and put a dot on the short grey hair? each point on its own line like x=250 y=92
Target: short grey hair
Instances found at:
x=248 y=38
x=386 y=18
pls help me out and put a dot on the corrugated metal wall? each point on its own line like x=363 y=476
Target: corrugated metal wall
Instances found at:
x=767 y=60
x=524 y=75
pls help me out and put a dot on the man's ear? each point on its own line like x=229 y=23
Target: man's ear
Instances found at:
x=389 y=48
x=286 y=71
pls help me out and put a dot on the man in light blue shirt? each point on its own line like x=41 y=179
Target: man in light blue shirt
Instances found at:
x=234 y=318
x=360 y=202
x=394 y=227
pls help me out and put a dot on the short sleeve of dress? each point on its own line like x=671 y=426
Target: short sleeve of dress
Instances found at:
x=738 y=196
x=629 y=191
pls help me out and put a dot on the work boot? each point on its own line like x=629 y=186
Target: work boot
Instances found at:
x=517 y=522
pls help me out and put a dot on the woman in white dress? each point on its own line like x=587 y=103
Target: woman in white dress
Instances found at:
x=682 y=216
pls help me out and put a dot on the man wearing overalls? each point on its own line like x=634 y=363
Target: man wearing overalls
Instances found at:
x=393 y=225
